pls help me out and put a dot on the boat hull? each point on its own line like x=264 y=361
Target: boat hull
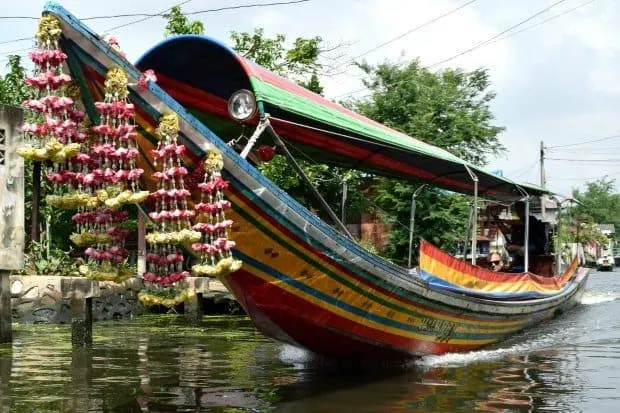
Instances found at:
x=284 y=316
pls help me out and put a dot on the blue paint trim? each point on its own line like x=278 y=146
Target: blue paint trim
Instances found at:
x=357 y=311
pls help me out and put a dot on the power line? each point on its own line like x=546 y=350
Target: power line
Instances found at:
x=240 y=6
x=408 y=32
x=583 y=160
x=479 y=45
x=488 y=41
x=542 y=21
x=117 y=16
x=145 y=18
x=562 y=178
x=587 y=151
x=18 y=18
x=584 y=142
x=17 y=40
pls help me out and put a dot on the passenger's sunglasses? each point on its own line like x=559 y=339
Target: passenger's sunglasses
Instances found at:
x=495 y=262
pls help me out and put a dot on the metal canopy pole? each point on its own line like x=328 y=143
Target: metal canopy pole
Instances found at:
x=474 y=231
x=468 y=231
x=412 y=221
x=344 y=201
x=526 y=237
x=306 y=180
x=558 y=238
x=257 y=132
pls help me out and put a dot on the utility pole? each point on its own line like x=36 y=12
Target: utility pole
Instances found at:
x=543 y=181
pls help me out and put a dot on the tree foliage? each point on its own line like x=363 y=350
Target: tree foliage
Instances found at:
x=600 y=202
x=300 y=62
x=449 y=109
x=179 y=24
x=13 y=90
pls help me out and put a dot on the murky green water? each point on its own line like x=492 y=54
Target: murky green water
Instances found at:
x=159 y=364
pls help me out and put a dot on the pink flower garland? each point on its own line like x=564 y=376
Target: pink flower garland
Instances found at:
x=215 y=249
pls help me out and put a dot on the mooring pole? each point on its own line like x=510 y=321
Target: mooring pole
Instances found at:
x=6 y=334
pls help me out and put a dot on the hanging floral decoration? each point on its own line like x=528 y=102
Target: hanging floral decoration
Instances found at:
x=56 y=130
x=52 y=133
x=113 y=179
x=214 y=248
x=111 y=40
x=171 y=222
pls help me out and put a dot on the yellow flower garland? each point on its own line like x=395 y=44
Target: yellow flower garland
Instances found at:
x=72 y=200
x=223 y=267
x=168 y=126
x=116 y=83
x=53 y=150
x=185 y=236
x=124 y=197
x=84 y=239
x=149 y=299
x=108 y=273
x=49 y=29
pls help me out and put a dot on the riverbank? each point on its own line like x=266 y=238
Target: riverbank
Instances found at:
x=39 y=299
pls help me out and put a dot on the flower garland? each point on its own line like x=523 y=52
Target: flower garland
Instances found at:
x=112 y=179
x=171 y=220
x=55 y=131
x=214 y=248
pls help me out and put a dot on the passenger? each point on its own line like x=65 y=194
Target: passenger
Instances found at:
x=497 y=262
x=538 y=240
x=537 y=235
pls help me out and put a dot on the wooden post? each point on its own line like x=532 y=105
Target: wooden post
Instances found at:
x=80 y=292
x=11 y=210
x=35 y=231
x=192 y=307
x=141 y=242
x=6 y=334
x=6 y=365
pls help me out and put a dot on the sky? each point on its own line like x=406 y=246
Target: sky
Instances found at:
x=556 y=75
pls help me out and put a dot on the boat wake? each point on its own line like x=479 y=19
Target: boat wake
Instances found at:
x=597 y=297
x=521 y=344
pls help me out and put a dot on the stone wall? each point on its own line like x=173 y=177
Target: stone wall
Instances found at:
x=39 y=299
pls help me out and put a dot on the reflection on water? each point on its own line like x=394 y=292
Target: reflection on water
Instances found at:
x=157 y=363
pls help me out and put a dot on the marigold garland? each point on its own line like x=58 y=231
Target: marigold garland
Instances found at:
x=113 y=179
x=214 y=249
x=171 y=220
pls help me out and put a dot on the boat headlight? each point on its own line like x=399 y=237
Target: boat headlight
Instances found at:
x=242 y=105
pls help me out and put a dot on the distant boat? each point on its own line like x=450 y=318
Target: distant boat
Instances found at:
x=605 y=263
x=302 y=282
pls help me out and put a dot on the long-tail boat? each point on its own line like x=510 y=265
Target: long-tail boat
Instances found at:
x=303 y=281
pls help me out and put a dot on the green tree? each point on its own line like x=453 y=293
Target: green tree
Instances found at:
x=600 y=202
x=449 y=109
x=179 y=24
x=296 y=63
x=13 y=90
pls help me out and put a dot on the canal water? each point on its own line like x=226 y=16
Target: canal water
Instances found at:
x=160 y=364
